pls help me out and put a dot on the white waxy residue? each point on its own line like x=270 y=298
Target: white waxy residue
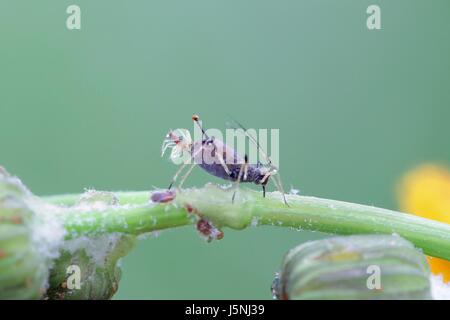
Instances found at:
x=96 y=248
x=439 y=289
x=47 y=231
x=254 y=222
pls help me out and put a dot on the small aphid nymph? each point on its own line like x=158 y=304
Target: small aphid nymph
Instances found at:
x=163 y=196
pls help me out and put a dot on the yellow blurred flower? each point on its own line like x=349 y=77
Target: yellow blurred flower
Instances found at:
x=425 y=191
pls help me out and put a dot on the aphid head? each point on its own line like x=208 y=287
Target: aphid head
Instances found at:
x=179 y=141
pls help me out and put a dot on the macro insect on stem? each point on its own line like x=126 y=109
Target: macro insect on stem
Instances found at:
x=219 y=159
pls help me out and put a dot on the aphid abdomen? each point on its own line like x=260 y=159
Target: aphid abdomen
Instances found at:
x=218 y=171
x=213 y=156
x=254 y=174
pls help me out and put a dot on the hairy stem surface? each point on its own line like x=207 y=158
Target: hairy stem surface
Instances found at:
x=136 y=214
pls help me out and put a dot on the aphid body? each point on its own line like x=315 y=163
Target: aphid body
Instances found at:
x=209 y=154
x=218 y=159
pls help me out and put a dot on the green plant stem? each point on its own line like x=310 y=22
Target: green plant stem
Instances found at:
x=135 y=214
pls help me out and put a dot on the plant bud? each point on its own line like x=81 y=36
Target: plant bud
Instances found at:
x=35 y=260
x=354 y=267
x=89 y=268
x=23 y=271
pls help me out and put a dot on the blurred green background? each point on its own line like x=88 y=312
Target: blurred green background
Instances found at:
x=89 y=109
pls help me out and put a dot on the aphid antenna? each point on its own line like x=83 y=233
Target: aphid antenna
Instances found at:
x=196 y=119
x=262 y=152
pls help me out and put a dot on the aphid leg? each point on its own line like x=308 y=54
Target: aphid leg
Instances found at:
x=219 y=156
x=264 y=190
x=176 y=175
x=265 y=177
x=245 y=167
x=242 y=170
x=279 y=185
x=224 y=166
x=192 y=158
x=276 y=181
x=186 y=175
